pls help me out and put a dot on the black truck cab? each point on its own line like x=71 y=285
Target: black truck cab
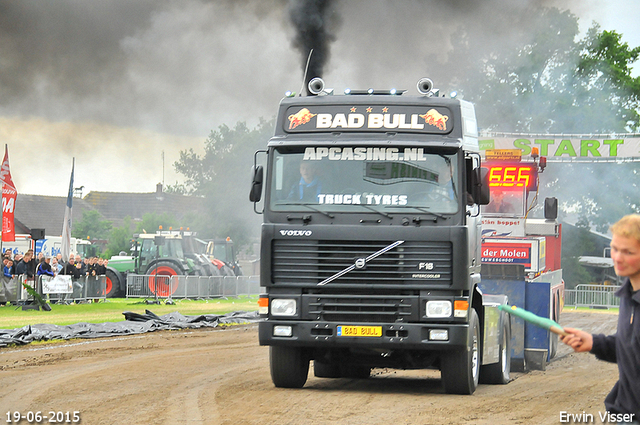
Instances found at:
x=370 y=253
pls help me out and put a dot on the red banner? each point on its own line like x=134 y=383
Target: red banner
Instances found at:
x=9 y=194
x=511 y=253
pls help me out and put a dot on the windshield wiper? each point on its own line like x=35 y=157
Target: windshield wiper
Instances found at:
x=423 y=209
x=375 y=210
x=308 y=205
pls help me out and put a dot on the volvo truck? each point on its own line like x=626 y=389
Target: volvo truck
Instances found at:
x=371 y=239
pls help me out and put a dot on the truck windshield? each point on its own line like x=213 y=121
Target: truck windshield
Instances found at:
x=359 y=179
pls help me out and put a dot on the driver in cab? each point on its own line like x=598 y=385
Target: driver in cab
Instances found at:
x=498 y=204
x=309 y=186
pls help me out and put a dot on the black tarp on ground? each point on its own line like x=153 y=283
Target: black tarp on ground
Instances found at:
x=134 y=324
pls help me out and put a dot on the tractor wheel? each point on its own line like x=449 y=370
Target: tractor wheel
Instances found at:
x=215 y=271
x=160 y=278
x=112 y=288
x=227 y=271
x=237 y=270
x=211 y=269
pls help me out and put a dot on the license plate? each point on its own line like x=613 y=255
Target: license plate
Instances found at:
x=374 y=331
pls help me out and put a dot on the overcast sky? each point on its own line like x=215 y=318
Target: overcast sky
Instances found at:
x=115 y=83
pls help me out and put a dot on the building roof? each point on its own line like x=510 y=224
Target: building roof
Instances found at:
x=115 y=206
x=47 y=212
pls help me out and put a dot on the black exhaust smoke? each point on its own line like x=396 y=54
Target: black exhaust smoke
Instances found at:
x=315 y=22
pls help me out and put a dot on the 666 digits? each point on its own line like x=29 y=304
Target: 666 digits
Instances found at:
x=51 y=417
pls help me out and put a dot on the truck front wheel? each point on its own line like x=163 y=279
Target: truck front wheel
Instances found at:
x=498 y=373
x=461 y=369
x=289 y=366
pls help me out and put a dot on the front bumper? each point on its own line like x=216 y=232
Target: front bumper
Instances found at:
x=396 y=336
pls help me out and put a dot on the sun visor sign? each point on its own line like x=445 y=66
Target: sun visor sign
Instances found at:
x=415 y=119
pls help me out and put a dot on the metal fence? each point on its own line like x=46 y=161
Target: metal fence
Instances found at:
x=147 y=286
x=85 y=288
x=599 y=296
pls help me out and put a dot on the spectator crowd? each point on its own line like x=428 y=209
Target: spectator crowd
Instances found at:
x=30 y=267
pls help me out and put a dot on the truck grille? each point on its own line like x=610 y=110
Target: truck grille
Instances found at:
x=349 y=308
x=312 y=261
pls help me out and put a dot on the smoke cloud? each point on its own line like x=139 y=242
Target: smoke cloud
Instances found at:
x=315 y=23
x=128 y=79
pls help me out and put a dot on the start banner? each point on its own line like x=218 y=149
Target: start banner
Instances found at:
x=570 y=147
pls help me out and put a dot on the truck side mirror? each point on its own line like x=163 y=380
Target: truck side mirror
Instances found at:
x=484 y=192
x=477 y=183
x=256 y=185
x=550 y=208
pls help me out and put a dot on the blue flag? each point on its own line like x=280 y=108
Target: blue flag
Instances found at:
x=66 y=227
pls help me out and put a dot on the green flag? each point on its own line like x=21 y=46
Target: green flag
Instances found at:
x=542 y=322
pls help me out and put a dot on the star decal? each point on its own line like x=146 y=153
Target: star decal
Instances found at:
x=385 y=109
x=369 y=109
x=353 y=109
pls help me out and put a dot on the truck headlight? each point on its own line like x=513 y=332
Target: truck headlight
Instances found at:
x=439 y=308
x=283 y=307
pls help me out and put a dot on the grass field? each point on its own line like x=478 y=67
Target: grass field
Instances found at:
x=111 y=311
x=12 y=317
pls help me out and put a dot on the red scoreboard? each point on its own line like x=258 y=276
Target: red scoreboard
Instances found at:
x=515 y=176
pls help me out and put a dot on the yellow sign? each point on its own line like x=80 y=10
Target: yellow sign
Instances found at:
x=503 y=154
x=375 y=331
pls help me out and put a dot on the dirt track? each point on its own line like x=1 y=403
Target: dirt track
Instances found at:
x=222 y=377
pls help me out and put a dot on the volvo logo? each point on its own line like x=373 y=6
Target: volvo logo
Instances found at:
x=360 y=263
x=296 y=232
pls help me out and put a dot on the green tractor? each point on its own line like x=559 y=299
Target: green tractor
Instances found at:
x=166 y=253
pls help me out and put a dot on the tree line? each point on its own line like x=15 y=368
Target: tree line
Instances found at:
x=549 y=79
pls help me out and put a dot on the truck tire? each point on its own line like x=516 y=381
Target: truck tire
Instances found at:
x=553 y=345
x=460 y=369
x=165 y=286
x=553 y=338
x=289 y=366
x=498 y=373
x=112 y=288
x=326 y=370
